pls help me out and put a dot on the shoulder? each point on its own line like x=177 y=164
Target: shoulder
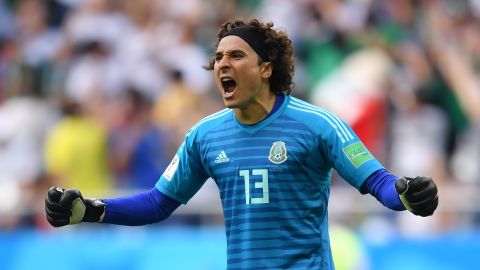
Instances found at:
x=210 y=122
x=311 y=114
x=320 y=121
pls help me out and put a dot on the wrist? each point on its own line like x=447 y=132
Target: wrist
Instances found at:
x=95 y=210
x=402 y=186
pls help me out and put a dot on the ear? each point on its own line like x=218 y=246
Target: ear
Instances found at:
x=266 y=70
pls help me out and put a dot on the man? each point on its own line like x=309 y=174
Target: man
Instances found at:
x=271 y=156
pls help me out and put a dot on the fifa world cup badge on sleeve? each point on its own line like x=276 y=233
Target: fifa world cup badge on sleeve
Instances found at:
x=171 y=169
x=357 y=154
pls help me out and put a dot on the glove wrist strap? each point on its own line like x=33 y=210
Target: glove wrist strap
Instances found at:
x=95 y=210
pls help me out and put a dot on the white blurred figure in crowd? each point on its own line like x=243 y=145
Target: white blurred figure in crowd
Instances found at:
x=138 y=54
x=418 y=130
x=94 y=30
x=100 y=20
x=37 y=42
x=25 y=115
x=24 y=123
x=184 y=53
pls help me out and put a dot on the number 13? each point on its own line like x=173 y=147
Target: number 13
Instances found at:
x=263 y=185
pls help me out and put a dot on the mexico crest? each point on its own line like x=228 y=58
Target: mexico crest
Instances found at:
x=278 y=152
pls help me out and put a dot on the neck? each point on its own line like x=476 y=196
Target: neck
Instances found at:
x=257 y=110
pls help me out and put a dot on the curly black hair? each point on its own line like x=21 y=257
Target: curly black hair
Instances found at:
x=279 y=51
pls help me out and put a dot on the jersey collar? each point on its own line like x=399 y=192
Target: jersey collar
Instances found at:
x=265 y=122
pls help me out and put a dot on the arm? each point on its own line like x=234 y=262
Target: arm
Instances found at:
x=346 y=153
x=140 y=209
x=64 y=207
x=180 y=181
x=381 y=185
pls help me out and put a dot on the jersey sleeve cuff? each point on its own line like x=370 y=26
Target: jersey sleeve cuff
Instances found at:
x=365 y=174
x=170 y=194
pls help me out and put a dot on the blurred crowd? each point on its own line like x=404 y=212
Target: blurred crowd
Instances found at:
x=98 y=94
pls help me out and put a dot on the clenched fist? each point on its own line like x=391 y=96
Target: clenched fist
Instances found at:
x=419 y=195
x=66 y=207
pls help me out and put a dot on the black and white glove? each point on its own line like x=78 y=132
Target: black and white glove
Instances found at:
x=419 y=195
x=66 y=207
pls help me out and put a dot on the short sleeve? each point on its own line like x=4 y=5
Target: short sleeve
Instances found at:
x=348 y=155
x=185 y=175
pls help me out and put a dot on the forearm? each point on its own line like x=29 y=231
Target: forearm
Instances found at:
x=381 y=184
x=139 y=209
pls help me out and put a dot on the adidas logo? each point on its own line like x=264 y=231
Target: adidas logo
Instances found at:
x=222 y=158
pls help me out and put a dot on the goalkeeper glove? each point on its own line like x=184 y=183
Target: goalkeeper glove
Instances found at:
x=418 y=195
x=66 y=207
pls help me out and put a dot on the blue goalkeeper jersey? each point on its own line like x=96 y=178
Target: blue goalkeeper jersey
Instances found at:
x=274 y=181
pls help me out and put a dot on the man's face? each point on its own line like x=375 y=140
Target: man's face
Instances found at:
x=238 y=75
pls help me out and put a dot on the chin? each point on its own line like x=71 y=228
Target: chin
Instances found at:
x=230 y=104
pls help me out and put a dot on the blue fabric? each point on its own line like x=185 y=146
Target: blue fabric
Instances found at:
x=381 y=184
x=274 y=180
x=278 y=103
x=140 y=209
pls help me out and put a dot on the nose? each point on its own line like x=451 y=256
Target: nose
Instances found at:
x=224 y=63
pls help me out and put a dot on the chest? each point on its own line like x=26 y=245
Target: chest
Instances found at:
x=257 y=162
x=255 y=151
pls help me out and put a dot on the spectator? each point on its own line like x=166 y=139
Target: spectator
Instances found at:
x=136 y=147
x=76 y=151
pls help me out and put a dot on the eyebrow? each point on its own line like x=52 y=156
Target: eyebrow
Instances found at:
x=230 y=52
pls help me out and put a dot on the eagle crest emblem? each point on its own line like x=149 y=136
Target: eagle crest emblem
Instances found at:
x=278 y=152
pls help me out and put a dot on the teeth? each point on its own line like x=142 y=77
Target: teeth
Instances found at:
x=226 y=79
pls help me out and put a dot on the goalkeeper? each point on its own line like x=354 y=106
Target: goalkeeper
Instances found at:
x=271 y=156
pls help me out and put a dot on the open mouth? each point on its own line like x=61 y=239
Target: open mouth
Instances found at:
x=229 y=85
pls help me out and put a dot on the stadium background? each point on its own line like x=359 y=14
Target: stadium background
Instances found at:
x=98 y=94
